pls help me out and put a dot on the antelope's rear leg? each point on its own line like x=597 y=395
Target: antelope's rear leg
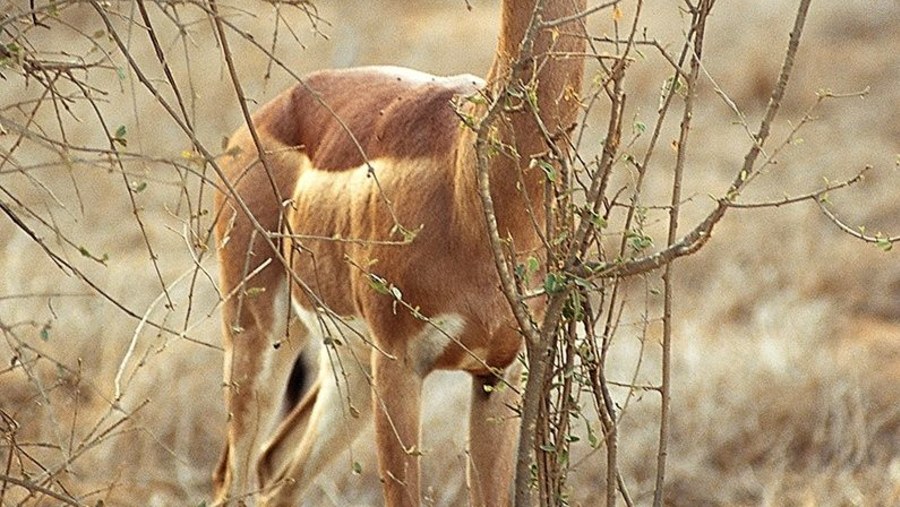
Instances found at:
x=260 y=347
x=325 y=423
x=493 y=433
x=279 y=450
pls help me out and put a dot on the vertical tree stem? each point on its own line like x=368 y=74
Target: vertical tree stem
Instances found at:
x=698 y=28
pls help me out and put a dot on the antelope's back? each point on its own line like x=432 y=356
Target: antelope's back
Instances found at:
x=342 y=118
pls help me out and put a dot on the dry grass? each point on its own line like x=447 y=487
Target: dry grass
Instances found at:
x=787 y=350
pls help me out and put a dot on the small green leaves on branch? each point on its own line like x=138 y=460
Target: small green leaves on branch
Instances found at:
x=11 y=55
x=879 y=239
x=547 y=167
x=382 y=286
x=638 y=127
x=86 y=253
x=119 y=136
x=554 y=283
x=525 y=271
x=820 y=195
x=639 y=241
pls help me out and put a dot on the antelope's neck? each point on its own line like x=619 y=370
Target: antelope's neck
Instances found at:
x=552 y=66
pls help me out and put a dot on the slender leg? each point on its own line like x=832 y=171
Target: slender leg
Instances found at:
x=397 y=401
x=255 y=315
x=493 y=433
x=319 y=428
x=280 y=449
x=221 y=478
x=255 y=372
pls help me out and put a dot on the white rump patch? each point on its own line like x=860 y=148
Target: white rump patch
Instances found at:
x=434 y=339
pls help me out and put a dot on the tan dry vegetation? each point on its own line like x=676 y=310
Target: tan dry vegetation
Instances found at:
x=787 y=351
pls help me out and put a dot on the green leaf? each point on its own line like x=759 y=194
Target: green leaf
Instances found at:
x=12 y=55
x=378 y=284
x=639 y=241
x=582 y=282
x=14 y=49
x=554 y=282
x=476 y=98
x=639 y=127
x=119 y=136
x=591 y=435
x=598 y=221
x=520 y=271
x=548 y=169
x=530 y=267
x=86 y=253
x=357 y=468
x=573 y=309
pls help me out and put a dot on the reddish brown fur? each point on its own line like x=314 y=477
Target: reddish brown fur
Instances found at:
x=405 y=127
x=413 y=119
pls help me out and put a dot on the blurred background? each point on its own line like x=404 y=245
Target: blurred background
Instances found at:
x=786 y=381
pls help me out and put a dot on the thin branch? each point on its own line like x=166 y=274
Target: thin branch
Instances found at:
x=701 y=233
x=815 y=195
x=699 y=30
x=884 y=242
x=577 y=16
x=34 y=488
